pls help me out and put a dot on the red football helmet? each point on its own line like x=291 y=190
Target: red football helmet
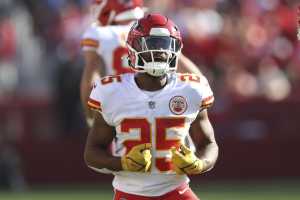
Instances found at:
x=154 y=43
x=109 y=11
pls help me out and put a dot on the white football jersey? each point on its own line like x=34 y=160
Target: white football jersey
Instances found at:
x=162 y=118
x=110 y=43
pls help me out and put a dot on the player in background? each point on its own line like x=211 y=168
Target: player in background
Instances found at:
x=104 y=41
x=104 y=44
x=151 y=112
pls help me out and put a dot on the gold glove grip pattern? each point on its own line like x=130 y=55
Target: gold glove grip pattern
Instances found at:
x=138 y=159
x=186 y=162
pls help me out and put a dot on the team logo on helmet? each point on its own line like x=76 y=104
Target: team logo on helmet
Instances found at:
x=178 y=105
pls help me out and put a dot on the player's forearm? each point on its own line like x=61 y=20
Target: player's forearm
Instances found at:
x=207 y=149
x=99 y=158
x=209 y=154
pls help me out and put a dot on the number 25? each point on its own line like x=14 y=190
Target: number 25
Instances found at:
x=162 y=143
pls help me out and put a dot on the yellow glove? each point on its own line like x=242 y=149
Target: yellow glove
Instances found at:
x=185 y=161
x=138 y=159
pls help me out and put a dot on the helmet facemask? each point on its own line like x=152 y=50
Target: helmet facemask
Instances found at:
x=155 y=55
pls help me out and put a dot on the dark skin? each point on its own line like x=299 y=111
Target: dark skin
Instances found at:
x=101 y=134
x=202 y=134
x=99 y=138
x=150 y=83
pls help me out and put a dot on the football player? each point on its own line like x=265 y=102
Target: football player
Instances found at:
x=151 y=112
x=104 y=44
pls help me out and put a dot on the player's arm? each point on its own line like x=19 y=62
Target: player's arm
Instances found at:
x=94 y=68
x=202 y=134
x=98 y=140
x=185 y=65
x=187 y=162
x=96 y=156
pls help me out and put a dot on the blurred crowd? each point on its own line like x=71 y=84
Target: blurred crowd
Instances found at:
x=247 y=49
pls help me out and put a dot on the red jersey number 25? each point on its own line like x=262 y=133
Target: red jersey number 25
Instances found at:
x=161 y=140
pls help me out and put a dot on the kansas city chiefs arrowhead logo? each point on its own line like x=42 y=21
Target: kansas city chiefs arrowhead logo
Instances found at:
x=178 y=105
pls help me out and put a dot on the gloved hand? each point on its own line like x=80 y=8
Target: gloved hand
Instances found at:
x=138 y=158
x=185 y=161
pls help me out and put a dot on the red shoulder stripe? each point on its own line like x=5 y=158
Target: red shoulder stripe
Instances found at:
x=94 y=105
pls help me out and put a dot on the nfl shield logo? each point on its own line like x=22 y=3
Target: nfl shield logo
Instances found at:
x=151 y=104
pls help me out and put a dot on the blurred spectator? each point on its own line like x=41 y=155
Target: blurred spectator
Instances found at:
x=8 y=71
x=273 y=82
x=11 y=176
x=67 y=99
x=231 y=38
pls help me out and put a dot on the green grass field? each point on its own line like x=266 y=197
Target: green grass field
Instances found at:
x=267 y=190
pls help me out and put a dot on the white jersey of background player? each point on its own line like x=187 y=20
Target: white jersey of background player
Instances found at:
x=140 y=114
x=104 y=41
x=108 y=41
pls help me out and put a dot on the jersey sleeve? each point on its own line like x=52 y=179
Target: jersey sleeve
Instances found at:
x=104 y=98
x=207 y=96
x=90 y=40
x=96 y=97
